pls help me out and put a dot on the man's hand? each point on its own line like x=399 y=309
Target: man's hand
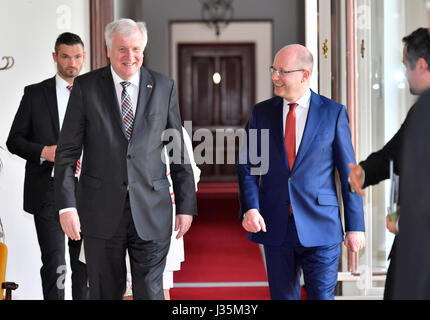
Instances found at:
x=356 y=178
x=70 y=224
x=48 y=153
x=182 y=223
x=392 y=225
x=355 y=240
x=253 y=221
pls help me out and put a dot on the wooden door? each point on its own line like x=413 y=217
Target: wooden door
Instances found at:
x=216 y=92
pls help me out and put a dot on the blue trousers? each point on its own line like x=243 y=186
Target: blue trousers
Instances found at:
x=285 y=263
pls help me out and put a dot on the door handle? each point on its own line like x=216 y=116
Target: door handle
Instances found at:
x=363 y=49
x=325 y=48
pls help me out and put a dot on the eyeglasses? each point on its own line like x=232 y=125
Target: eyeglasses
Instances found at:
x=282 y=73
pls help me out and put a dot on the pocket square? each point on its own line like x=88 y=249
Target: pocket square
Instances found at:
x=149 y=86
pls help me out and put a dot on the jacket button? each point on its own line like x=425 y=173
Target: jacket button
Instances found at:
x=128 y=156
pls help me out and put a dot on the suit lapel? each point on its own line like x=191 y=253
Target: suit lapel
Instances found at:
x=278 y=129
x=107 y=87
x=146 y=83
x=51 y=98
x=313 y=122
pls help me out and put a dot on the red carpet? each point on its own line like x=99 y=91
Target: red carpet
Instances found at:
x=217 y=250
x=236 y=293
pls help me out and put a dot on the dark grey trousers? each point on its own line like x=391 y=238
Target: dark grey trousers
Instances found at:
x=106 y=264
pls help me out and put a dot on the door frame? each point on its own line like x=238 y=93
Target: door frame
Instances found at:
x=187 y=53
x=258 y=31
x=208 y=49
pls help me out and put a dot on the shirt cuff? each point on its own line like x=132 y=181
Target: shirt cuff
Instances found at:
x=68 y=209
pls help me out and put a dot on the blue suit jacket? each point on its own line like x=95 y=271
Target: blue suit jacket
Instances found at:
x=310 y=185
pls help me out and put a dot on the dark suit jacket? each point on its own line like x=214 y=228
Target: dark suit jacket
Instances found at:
x=112 y=165
x=412 y=271
x=310 y=186
x=377 y=164
x=36 y=125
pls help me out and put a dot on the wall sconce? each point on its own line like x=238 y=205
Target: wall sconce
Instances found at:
x=217 y=13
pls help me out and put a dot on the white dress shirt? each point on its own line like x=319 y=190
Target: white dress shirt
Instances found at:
x=301 y=115
x=63 y=95
x=133 y=89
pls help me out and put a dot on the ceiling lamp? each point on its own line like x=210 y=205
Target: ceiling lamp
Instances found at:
x=217 y=13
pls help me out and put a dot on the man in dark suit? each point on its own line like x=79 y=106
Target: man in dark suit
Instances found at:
x=411 y=279
x=411 y=275
x=416 y=58
x=117 y=115
x=33 y=136
x=293 y=208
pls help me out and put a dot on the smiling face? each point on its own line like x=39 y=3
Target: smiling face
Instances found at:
x=70 y=60
x=293 y=85
x=126 y=53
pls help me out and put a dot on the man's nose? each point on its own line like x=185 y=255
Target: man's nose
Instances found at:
x=128 y=53
x=73 y=62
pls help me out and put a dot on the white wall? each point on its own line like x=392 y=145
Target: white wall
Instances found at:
x=29 y=29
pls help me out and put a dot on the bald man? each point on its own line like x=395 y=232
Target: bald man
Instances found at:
x=293 y=208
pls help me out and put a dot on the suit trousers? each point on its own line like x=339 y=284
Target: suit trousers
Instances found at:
x=285 y=263
x=52 y=246
x=106 y=263
x=388 y=290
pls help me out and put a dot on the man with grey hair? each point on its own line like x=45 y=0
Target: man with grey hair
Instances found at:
x=117 y=115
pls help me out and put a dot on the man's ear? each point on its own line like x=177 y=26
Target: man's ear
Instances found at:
x=422 y=65
x=306 y=76
x=54 y=56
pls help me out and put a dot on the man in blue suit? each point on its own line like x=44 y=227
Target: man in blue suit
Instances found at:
x=293 y=209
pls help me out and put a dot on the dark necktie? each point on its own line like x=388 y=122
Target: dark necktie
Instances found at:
x=126 y=110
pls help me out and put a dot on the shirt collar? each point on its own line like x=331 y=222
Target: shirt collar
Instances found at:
x=133 y=80
x=304 y=101
x=60 y=82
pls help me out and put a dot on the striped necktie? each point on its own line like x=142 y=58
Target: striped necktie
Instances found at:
x=126 y=110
